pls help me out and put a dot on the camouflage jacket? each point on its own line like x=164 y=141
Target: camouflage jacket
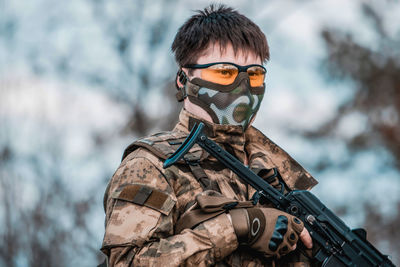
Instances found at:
x=143 y=201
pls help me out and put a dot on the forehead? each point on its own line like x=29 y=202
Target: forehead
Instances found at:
x=216 y=53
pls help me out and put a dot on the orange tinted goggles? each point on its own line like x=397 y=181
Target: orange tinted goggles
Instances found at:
x=225 y=73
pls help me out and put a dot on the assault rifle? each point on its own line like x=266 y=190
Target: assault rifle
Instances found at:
x=337 y=244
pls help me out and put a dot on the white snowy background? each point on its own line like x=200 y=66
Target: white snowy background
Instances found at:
x=72 y=74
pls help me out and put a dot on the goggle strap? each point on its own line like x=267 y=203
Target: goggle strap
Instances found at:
x=179 y=96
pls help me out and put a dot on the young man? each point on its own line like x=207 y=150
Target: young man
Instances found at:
x=221 y=81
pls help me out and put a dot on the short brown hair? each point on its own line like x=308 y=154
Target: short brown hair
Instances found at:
x=218 y=24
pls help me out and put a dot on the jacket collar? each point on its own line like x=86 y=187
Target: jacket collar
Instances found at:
x=231 y=137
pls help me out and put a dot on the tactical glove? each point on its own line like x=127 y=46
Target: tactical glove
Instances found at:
x=267 y=230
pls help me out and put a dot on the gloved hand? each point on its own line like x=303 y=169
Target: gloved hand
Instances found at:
x=267 y=230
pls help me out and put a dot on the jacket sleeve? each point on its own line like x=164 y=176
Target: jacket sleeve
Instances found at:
x=143 y=234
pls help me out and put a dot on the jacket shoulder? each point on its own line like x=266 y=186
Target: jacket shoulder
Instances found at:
x=163 y=145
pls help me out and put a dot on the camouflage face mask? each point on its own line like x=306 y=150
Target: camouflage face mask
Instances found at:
x=234 y=104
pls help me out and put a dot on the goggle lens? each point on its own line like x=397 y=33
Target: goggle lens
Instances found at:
x=257 y=76
x=226 y=74
x=221 y=73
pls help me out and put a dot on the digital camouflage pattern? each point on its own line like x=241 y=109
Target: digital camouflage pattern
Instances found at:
x=144 y=234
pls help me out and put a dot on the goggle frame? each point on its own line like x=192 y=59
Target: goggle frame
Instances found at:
x=239 y=68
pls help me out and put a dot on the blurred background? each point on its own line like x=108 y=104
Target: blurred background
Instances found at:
x=81 y=79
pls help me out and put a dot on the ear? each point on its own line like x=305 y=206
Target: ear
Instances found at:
x=178 y=84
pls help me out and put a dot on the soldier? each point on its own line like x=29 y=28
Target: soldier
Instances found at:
x=148 y=209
